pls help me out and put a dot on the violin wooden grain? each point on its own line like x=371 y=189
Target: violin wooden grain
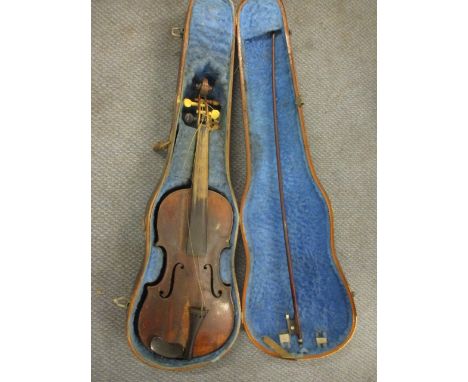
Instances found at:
x=190 y=281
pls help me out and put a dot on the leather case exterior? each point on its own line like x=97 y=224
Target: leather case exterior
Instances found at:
x=326 y=306
x=208 y=50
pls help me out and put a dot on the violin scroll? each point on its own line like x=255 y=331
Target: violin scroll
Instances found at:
x=202 y=111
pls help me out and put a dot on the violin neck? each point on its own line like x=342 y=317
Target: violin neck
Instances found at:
x=196 y=245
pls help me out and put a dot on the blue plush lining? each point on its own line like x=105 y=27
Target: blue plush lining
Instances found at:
x=323 y=301
x=208 y=54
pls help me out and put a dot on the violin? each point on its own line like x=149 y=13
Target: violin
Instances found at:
x=188 y=311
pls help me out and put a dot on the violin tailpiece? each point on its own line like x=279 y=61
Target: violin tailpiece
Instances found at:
x=196 y=317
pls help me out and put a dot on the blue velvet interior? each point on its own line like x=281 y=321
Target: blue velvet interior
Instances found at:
x=322 y=298
x=208 y=54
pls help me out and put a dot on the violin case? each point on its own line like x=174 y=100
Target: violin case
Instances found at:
x=208 y=51
x=326 y=307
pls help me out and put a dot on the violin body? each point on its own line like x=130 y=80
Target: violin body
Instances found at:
x=189 y=281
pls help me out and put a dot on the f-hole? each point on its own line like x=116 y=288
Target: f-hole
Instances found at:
x=220 y=292
x=168 y=294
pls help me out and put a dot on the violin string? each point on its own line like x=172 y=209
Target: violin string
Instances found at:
x=184 y=166
x=196 y=262
x=207 y=121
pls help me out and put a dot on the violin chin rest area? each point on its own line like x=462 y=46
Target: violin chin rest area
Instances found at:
x=324 y=319
x=167 y=349
x=203 y=95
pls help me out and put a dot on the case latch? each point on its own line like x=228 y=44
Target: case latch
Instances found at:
x=299 y=101
x=162 y=145
x=121 y=302
x=177 y=32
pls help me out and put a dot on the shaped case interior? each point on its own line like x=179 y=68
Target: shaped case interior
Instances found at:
x=326 y=307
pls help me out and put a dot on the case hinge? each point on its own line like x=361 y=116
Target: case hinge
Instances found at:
x=121 y=302
x=162 y=145
x=299 y=101
x=177 y=32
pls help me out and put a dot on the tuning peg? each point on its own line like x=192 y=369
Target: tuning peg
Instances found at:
x=189 y=103
x=214 y=114
x=189 y=118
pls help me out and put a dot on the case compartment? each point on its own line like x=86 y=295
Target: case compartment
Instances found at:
x=208 y=50
x=325 y=303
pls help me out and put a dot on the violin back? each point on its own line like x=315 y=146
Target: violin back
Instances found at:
x=325 y=303
x=207 y=52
